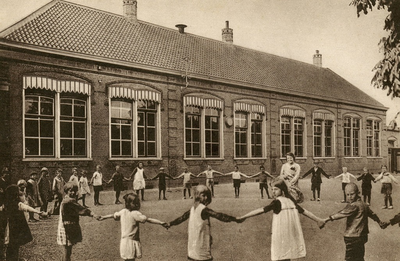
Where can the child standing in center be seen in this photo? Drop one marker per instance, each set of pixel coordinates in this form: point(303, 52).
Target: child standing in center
point(345, 176)
point(366, 185)
point(130, 247)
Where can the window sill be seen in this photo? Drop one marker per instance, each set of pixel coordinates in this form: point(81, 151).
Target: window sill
point(57, 159)
point(297, 158)
point(249, 158)
point(210, 159)
point(324, 158)
point(358, 157)
point(132, 159)
point(376, 157)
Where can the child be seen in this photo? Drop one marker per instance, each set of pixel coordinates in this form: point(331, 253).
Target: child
point(209, 172)
point(345, 180)
point(22, 190)
point(386, 179)
point(58, 191)
point(84, 187)
point(162, 186)
point(366, 185)
point(187, 184)
point(17, 232)
point(139, 177)
point(199, 236)
point(130, 247)
point(118, 179)
point(44, 185)
point(316, 179)
point(69, 232)
point(356, 232)
point(263, 180)
point(287, 239)
point(97, 181)
point(236, 177)
point(33, 196)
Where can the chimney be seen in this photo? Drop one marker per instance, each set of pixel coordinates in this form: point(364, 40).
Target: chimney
point(227, 33)
point(317, 59)
point(181, 28)
point(130, 10)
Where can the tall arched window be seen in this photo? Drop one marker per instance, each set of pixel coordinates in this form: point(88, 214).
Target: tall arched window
point(292, 130)
point(249, 129)
point(203, 125)
point(373, 128)
point(351, 135)
point(134, 122)
point(56, 123)
point(323, 133)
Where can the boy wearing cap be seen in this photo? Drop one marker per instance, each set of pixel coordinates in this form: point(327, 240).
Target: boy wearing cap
point(161, 182)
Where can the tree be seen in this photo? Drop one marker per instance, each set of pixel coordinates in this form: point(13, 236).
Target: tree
point(387, 71)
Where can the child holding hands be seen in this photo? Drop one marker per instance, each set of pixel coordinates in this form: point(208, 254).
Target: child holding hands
point(17, 232)
point(287, 239)
point(386, 178)
point(199, 236)
point(357, 213)
point(130, 247)
point(345, 176)
point(69, 232)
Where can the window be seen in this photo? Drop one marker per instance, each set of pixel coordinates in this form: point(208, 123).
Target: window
point(55, 118)
point(249, 130)
point(323, 131)
point(292, 131)
point(351, 135)
point(203, 134)
point(134, 123)
point(373, 137)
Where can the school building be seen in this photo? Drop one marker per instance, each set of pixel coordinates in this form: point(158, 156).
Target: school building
point(81, 87)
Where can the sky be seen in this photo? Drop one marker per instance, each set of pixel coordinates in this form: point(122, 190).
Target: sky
point(289, 28)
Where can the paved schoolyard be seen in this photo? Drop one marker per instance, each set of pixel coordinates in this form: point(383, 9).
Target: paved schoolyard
point(247, 241)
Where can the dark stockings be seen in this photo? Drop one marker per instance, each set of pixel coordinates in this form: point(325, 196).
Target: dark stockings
point(184, 192)
point(67, 253)
point(237, 192)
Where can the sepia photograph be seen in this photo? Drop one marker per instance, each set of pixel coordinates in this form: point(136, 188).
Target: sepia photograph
point(196, 130)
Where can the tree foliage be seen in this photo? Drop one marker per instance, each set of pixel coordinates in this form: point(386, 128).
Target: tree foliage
point(387, 71)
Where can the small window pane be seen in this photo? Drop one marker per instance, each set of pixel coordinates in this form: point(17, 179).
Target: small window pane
point(126, 148)
point(31, 128)
point(115, 148)
point(32, 147)
point(31, 105)
point(79, 147)
point(79, 130)
point(115, 131)
point(46, 147)
point(126, 132)
point(66, 129)
point(46, 129)
point(80, 109)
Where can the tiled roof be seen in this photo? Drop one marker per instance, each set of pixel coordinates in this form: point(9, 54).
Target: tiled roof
point(76, 29)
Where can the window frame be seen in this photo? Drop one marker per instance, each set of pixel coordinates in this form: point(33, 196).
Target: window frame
point(326, 120)
point(292, 114)
point(253, 113)
point(201, 101)
point(352, 138)
point(134, 129)
point(57, 89)
point(375, 149)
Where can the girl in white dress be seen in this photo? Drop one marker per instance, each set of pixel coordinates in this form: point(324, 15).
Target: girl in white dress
point(138, 179)
point(287, 241)
point(130, 247)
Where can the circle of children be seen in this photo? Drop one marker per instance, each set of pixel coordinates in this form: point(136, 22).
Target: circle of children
point(287, 241)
